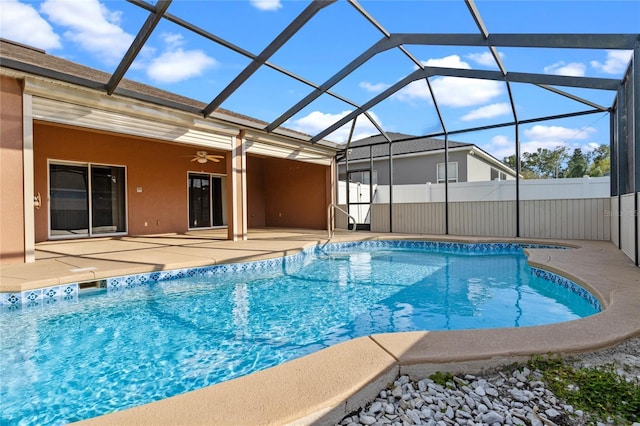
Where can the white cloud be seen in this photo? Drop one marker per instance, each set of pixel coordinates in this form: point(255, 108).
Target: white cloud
point(500, 146)
point(172, 40)
point(557, 134)
point(90, 25)
point(266, 4)
point(616, 63)
point(462, 92)
point(177, 65)
point(22, 23)
point(488, 111)
point(575, 69)
point(452, 61)
point(373, 87)
point(417, 90)
point(452, 91)
point(485, 58)
point(592, 145)
point(317, 121)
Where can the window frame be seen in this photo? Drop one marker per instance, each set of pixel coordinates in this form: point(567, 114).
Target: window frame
point(90, 233)
point(223, 200)
point(451, 179)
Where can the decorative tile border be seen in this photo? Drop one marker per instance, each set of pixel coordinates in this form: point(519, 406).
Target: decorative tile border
point(68, 293)
point(569, 285)
point(435, 246)
point(40, 298)
point(117, 284)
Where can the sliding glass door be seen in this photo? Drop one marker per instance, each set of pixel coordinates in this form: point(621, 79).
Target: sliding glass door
point(199, 201)
point(107, 200)
point(207, 204)
point(69, 200)
point(86, 200)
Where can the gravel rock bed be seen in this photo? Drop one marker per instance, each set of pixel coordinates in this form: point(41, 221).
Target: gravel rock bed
point(498, 397)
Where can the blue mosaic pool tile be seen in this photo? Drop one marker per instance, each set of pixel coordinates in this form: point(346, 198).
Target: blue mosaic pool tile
point(69, 292)
point(10, 299)
point(130, 281)
point(209, 271)
point(31, 297)
point(35, 299)
point(51, 293)
point(569, 285)
point(115, 282)
point(437, 246)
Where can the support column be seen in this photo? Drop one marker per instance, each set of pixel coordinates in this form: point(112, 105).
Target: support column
point(237, 187)
point(332, 183)
point(14, 200)
point(28, 172)
point(635, 123)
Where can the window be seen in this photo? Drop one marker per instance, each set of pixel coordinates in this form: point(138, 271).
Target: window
point(207, 203)
point(498, 175)
point(452, 172)
point(86, 200)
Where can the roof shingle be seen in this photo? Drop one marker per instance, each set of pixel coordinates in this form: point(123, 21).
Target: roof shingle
point(407, 144)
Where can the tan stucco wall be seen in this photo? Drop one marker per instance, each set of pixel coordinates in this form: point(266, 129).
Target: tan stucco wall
point(256, 202)
point(160, 169)
point(296, 193)
point(287, 193)
point(12, 243)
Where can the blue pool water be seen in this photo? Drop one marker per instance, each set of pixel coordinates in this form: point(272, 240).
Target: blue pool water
point(117, 349)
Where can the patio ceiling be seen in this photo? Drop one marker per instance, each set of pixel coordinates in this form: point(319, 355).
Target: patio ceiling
point(366, 43)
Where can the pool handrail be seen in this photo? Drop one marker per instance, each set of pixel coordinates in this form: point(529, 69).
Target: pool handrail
point(331, 209)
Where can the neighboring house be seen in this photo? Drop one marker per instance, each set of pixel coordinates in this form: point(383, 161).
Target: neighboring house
point(77, 162)
point(419, 160)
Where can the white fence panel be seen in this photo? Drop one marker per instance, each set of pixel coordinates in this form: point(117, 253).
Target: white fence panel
point(497, 190)
point(554, 208)
point(628, 221)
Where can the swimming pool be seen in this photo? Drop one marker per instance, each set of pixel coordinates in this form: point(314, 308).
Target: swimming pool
point(116, 348)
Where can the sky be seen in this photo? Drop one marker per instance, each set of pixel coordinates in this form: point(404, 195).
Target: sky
point(97, 33)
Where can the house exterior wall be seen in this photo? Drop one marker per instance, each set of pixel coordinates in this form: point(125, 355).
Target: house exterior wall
point(160, 169)
point(256, 201)
point(477, 170)
point(287, 193)
point(412, 169)
point(296, 194)
point(12, 239)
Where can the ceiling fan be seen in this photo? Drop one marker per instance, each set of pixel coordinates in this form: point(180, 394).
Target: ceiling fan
point(202, 157)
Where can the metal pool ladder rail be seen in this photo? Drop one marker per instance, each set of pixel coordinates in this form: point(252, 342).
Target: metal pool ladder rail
point(331, 215)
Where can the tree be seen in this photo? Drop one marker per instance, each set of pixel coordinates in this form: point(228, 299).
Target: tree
point(525, 171)
point(510, 161)
point(550, 163)
point(578, 164)
point(546, 163)
point(601, 161)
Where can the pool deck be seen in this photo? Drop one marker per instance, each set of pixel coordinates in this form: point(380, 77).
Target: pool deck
point(323, 387)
